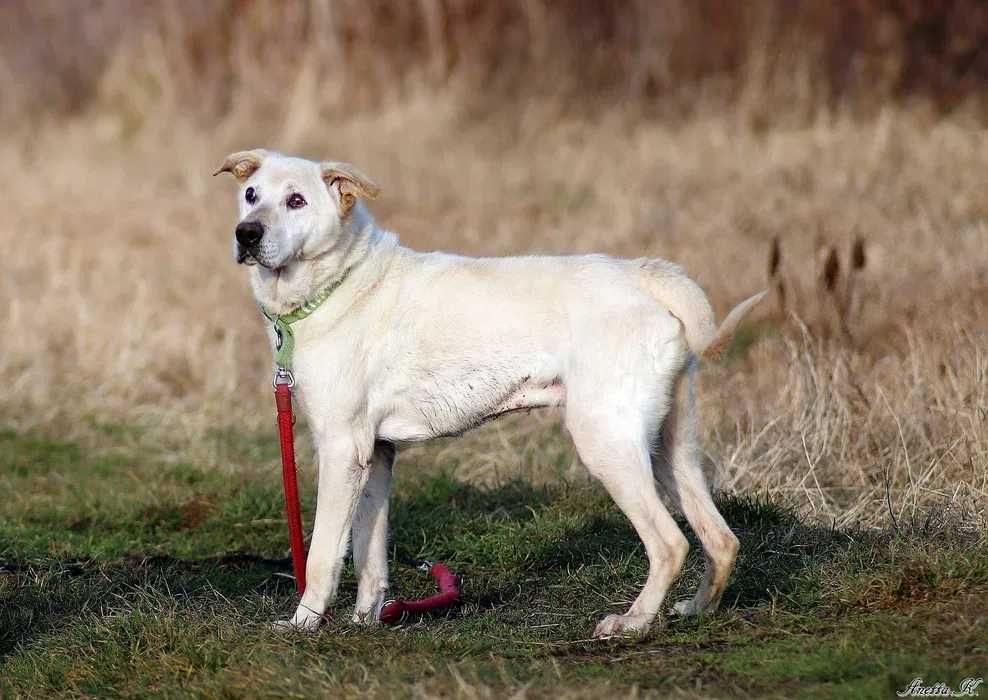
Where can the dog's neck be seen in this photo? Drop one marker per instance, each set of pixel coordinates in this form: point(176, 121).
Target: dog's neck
point(283, 290)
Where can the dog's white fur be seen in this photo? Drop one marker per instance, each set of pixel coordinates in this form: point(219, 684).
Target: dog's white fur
point(413, 346)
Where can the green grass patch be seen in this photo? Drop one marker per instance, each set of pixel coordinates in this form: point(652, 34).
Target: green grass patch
point(124, 573)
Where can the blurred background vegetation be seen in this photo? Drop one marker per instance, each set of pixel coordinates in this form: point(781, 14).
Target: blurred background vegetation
point(772, 58)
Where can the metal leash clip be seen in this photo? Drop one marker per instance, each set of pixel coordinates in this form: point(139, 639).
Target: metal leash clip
point(283, 375)
point(423, 565)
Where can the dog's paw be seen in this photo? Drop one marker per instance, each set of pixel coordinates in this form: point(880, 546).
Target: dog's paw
point(367, 616)
point(685, 608)
point(303, 621)
point(689, 608)
point(619, 625)
point(370, 600)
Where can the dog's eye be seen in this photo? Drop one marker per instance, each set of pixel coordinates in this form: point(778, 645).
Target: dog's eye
point(250, 195)
point(296, 201)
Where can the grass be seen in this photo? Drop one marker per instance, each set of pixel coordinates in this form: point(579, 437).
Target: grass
point(128, 573)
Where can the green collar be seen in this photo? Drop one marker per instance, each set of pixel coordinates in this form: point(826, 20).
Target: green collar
point(284, 346)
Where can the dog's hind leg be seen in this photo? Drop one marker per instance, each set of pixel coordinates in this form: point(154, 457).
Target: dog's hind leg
point(677, 466)
point(370, 536)
point(619, 458)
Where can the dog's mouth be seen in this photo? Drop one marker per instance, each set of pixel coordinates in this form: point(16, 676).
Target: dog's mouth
point(247, 257)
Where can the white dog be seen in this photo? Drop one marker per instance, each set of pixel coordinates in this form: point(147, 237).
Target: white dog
point(399, 346)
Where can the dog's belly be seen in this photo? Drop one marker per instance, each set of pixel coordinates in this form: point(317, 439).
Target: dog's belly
point(461, 411)
point(531, 394)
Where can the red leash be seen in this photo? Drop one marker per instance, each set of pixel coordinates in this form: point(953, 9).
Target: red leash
point(283, 400)
point(393, 610)
point(449, 592)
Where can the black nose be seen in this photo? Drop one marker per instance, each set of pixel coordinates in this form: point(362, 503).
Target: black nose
point(249, 233)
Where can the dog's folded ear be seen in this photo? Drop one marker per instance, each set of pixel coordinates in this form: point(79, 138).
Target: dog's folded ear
point(242, 164)
point(352, 183)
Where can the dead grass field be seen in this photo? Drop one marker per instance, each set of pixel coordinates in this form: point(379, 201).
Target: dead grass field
point(122, 304)
point(857, 395)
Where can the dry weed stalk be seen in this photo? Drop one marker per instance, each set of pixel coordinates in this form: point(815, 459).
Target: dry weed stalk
point(831, 306)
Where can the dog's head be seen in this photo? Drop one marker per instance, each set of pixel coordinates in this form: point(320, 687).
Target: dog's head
point(291, 208)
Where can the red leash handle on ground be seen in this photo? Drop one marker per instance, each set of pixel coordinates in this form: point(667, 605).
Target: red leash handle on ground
point(449, 591)
point(283, 400)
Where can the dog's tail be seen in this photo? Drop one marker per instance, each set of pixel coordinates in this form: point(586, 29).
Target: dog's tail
point(725, 331)
point(684, 298)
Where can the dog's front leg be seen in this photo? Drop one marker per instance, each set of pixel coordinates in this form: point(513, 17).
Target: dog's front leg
point(370, 536)
point(342, 479)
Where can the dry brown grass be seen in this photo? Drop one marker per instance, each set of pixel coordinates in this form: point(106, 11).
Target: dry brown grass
point(121, 303)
